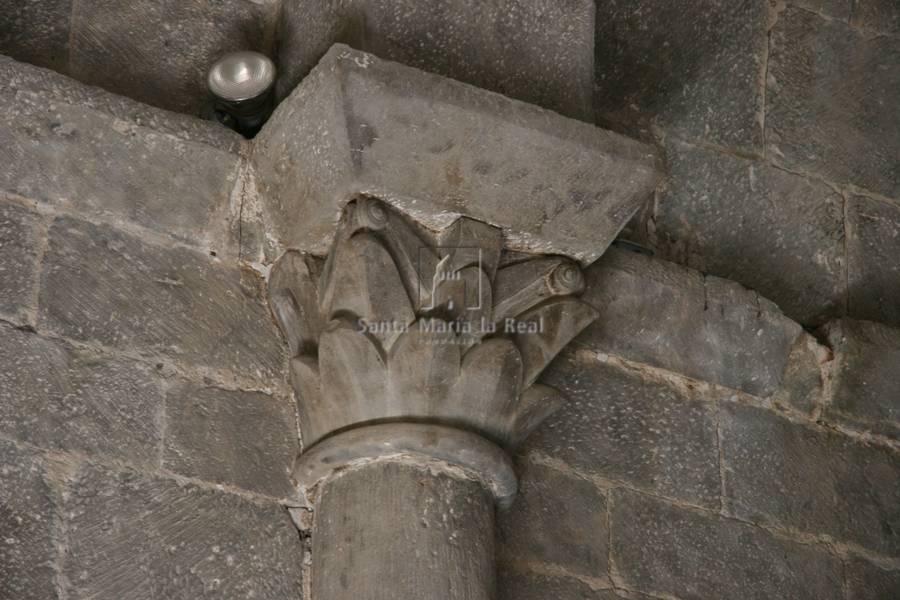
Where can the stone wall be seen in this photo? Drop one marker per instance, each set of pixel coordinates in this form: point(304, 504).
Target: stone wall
point(775, 115)
point(722, 452)
point(146, 432)
point(721, 441)
point(726, 452)
point(781, 145)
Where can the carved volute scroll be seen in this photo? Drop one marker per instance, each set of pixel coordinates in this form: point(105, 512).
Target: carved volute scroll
point(404, 326)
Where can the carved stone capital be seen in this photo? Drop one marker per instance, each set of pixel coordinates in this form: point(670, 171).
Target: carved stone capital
point(421, 344)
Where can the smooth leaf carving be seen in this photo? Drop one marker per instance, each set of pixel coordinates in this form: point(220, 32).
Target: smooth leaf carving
point(294, 297)
point(424, 366)
point(555, 324)
point(491, 382)
point(364, 284)
point(352, 373)
point(314, 413)
point(424, 328)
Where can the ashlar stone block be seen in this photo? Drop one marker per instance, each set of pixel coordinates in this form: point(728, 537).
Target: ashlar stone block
point(86, 160)
point(556, 519)
point(665, 315)
point(695, 68)
point(58, 397)
point(37, 31)
point(104, 286)
point(848, 134)
point(877, 15)
point(55, 87)
point(873, 248)
point(436, 149)
point(245, 439)
point(866, 581)
point(522, 585)
point(21, 232)
point(804, 381)
point(624, 428)
point(142, 537)
point(865, 385)
point(669, 551)
point(837, 9)
point(774, 232)
point(808, 479)
point(27, 549)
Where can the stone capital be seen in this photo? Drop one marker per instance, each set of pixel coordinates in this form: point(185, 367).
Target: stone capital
point(421, 344)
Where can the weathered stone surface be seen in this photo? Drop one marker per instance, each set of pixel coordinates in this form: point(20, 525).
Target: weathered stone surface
point(809, 479)
point(418, 443)
point(166, 65)
point(104, 286)
point(866, 581)
point(622, 427)
point(21, 231)
point(774, 232)
point(306, 30)
point(556, 519)
point(389, 530)
point(665, 315)
point(522, 585)
point(27, 553)
point(244, 439)
point(837, 9)
point(803, 381)
point(538, 51)
point(877, 15)
point(436, 149)
point(659, 549)
point(60, 398)
point(54, 87)
point(866, 385)
point(846, 135)
point(37, 31)
point(143, 538)
point(105, 166)
point(873, 246)
point(692, 67)
point(533, 50)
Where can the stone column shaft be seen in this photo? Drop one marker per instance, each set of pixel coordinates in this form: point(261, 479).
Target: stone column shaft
point(392, 530)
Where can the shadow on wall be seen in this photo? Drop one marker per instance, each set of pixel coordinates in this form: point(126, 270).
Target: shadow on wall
point(154, 51)
point(158, 51)
point(693, 69)
point(536, 51)
point(639, 78)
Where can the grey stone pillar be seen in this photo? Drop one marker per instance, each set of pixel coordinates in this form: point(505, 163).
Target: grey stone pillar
point(415, 357)
point(393, 530)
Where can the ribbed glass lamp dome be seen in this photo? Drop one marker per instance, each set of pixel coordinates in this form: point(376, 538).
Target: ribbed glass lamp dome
point(241, 76)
